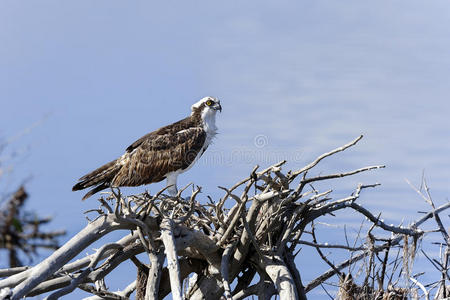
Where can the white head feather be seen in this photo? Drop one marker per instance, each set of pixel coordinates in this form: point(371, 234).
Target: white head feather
point(208, 116)
point(203, 100)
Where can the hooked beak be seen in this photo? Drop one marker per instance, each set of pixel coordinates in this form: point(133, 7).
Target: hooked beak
point(218, 107)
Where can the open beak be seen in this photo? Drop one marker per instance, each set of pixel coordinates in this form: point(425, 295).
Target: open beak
point(218, 107)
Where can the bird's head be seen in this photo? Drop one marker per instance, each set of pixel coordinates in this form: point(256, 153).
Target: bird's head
point(207, 106)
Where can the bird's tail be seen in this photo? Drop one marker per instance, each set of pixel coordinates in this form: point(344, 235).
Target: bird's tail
point(100, 178)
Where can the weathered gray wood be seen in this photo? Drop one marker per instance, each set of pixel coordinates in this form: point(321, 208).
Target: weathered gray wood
point(257, 236)
point(172, 259)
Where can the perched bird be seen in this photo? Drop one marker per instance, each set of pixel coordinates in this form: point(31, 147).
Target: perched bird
point(162, 154)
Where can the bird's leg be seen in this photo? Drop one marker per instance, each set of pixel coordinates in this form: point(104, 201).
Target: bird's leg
point(172, 184)
point(172, 190)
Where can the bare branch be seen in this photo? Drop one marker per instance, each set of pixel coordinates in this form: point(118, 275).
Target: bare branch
point(224, 270)
point(216, 243)
point(315, 162)
point(424, 290)
point(280, 276)
point(12, 271)
point(172, 260)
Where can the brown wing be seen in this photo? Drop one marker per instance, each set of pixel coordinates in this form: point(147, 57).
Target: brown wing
point(150, 158)
point(169, 130)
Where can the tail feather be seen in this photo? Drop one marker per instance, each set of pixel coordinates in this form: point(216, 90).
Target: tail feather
point(98, 188)
point(100, 178)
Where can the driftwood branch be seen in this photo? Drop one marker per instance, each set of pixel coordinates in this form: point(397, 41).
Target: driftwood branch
point(172, 258)
point(243, 244)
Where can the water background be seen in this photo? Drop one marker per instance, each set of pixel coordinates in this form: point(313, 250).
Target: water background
point(81, 80)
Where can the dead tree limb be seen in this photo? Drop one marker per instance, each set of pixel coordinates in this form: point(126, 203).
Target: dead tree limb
point(251, 234)
point(172, 258)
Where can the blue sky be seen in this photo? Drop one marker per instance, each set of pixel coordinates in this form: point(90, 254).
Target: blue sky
point(307, 75)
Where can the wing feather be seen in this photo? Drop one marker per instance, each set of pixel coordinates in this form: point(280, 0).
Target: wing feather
point(158, 153)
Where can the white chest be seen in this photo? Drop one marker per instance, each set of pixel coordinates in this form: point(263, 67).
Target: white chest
point(209, 125)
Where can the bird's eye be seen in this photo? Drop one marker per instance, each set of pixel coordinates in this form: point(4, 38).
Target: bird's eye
point(209, 102)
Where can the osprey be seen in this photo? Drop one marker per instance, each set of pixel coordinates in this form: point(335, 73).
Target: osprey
point(162, 154)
